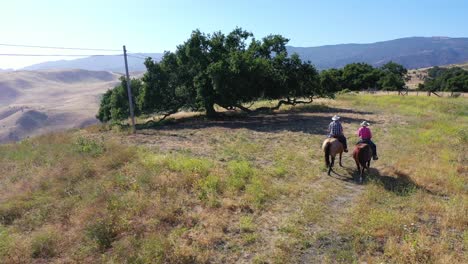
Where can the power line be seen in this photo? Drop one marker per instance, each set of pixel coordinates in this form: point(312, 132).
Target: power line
point(54, 55)
point(136, 56)
point(49, 47)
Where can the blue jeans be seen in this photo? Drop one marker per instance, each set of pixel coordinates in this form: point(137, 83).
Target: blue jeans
point(371, 144)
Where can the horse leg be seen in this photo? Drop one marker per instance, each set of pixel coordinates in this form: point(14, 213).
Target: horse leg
point(358, 167)
point(361, 175)
point(331, 165)
point(340, 160)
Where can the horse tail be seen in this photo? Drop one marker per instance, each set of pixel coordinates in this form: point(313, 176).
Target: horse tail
point(365, 154)
point(356, 157)
point(327, 153)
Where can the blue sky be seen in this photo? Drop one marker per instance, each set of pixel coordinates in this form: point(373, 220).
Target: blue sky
point(155, 26)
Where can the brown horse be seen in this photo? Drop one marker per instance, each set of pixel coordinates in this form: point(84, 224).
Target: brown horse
point(332, 147)
point(362, 154)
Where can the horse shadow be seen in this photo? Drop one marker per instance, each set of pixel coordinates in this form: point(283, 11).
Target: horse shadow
point(351, 175)
point(399, 183)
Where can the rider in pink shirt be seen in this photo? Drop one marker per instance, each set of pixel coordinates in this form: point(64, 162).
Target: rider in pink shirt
point(365, 136)
point(364, 133)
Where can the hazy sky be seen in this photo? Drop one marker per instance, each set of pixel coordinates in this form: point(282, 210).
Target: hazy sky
point(155, 26)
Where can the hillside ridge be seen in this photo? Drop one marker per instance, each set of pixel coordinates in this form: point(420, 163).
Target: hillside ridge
point(36, 102)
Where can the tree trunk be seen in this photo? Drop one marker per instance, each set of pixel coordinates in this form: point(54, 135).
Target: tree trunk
point(210, 111)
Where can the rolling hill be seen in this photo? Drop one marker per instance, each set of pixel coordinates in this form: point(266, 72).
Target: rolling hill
point(412, 52)
point(35, 102)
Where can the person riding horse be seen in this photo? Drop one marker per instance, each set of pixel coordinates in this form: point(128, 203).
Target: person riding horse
point(335, 130)
point(365, 136)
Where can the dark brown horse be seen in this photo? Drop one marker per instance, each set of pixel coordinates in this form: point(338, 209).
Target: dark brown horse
point(331, 147)
point(362, 154)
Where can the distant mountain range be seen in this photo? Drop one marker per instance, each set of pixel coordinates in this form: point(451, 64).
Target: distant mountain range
point(413, 53)
point(113, 63)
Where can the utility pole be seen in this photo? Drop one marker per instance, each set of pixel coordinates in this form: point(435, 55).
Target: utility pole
point(129, 91)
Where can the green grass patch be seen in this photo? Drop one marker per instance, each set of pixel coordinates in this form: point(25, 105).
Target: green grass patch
point(240, 173)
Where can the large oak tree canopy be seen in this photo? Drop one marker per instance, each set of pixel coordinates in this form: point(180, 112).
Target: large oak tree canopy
point(236, 69)
point(226, 70)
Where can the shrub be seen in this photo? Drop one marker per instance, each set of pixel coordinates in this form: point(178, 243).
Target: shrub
point(279, 171)
point(246, 224)
point(44, 244)
point(103, 231)
point(188, 165)
point(257, 192)
point(89, 146)
point(153, 250)
point(209, 188)
point(12, 210)
point(5, 242)
point(240, 174)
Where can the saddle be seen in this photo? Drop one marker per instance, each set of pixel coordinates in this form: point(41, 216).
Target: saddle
point(362, 145)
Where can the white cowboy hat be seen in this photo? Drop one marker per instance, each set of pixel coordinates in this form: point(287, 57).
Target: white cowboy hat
point(335, 117)
point(365, 123)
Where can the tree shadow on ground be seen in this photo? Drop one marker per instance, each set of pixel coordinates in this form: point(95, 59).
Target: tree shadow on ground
point(298, 119)
point(321, 108)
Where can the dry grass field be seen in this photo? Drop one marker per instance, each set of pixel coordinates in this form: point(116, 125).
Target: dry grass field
point(243, 189)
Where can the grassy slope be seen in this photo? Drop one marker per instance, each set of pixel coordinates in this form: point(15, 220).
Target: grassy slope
point(243, 194)
point(422, 216)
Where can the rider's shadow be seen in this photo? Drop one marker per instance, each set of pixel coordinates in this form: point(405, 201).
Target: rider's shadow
point(398, 182)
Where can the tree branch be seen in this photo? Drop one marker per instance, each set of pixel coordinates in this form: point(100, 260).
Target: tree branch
point(165, 115)
point(288, 101)
point(251, 105)
point(243, 108)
